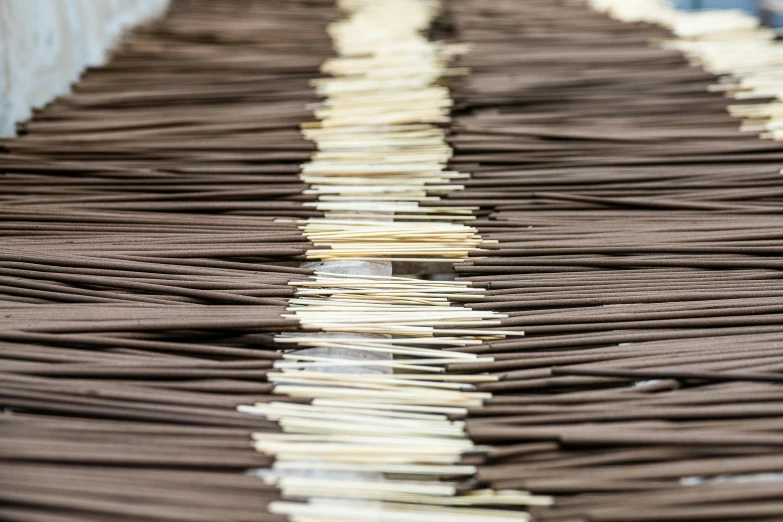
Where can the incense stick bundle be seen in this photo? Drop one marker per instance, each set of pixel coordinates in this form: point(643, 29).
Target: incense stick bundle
point(150, 285)
point(378, 151)
point(192, 330)
point(636, 228)
point(144, 273)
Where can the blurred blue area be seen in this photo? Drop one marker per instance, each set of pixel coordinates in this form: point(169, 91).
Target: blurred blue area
point(775, 19)
point(750, 6)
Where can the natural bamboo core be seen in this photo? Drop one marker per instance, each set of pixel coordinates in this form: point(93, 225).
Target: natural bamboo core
point(386, 434)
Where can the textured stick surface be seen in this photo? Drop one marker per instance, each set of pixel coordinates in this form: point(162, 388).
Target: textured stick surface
point(637, 228)
point(45, 45)
point(626, 220)
point(143, 274)
point(349, 268)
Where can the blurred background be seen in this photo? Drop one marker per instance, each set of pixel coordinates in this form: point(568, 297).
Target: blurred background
point(770, 11)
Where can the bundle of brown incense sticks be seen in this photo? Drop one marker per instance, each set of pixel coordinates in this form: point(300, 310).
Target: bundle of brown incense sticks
point(603, 176)
point(639, 246)
point(143, 274)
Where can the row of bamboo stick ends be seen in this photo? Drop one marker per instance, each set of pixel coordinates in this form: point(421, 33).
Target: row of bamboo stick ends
point(354, 239)
point(380, 142)
point(636, 239)
point(382, 436)
point(636, 226)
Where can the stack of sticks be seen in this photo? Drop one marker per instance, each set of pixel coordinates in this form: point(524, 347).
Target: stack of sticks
point(608, 352)
point(143, 274)
point(638, 235)
point(381, 444)
point(151, 287)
